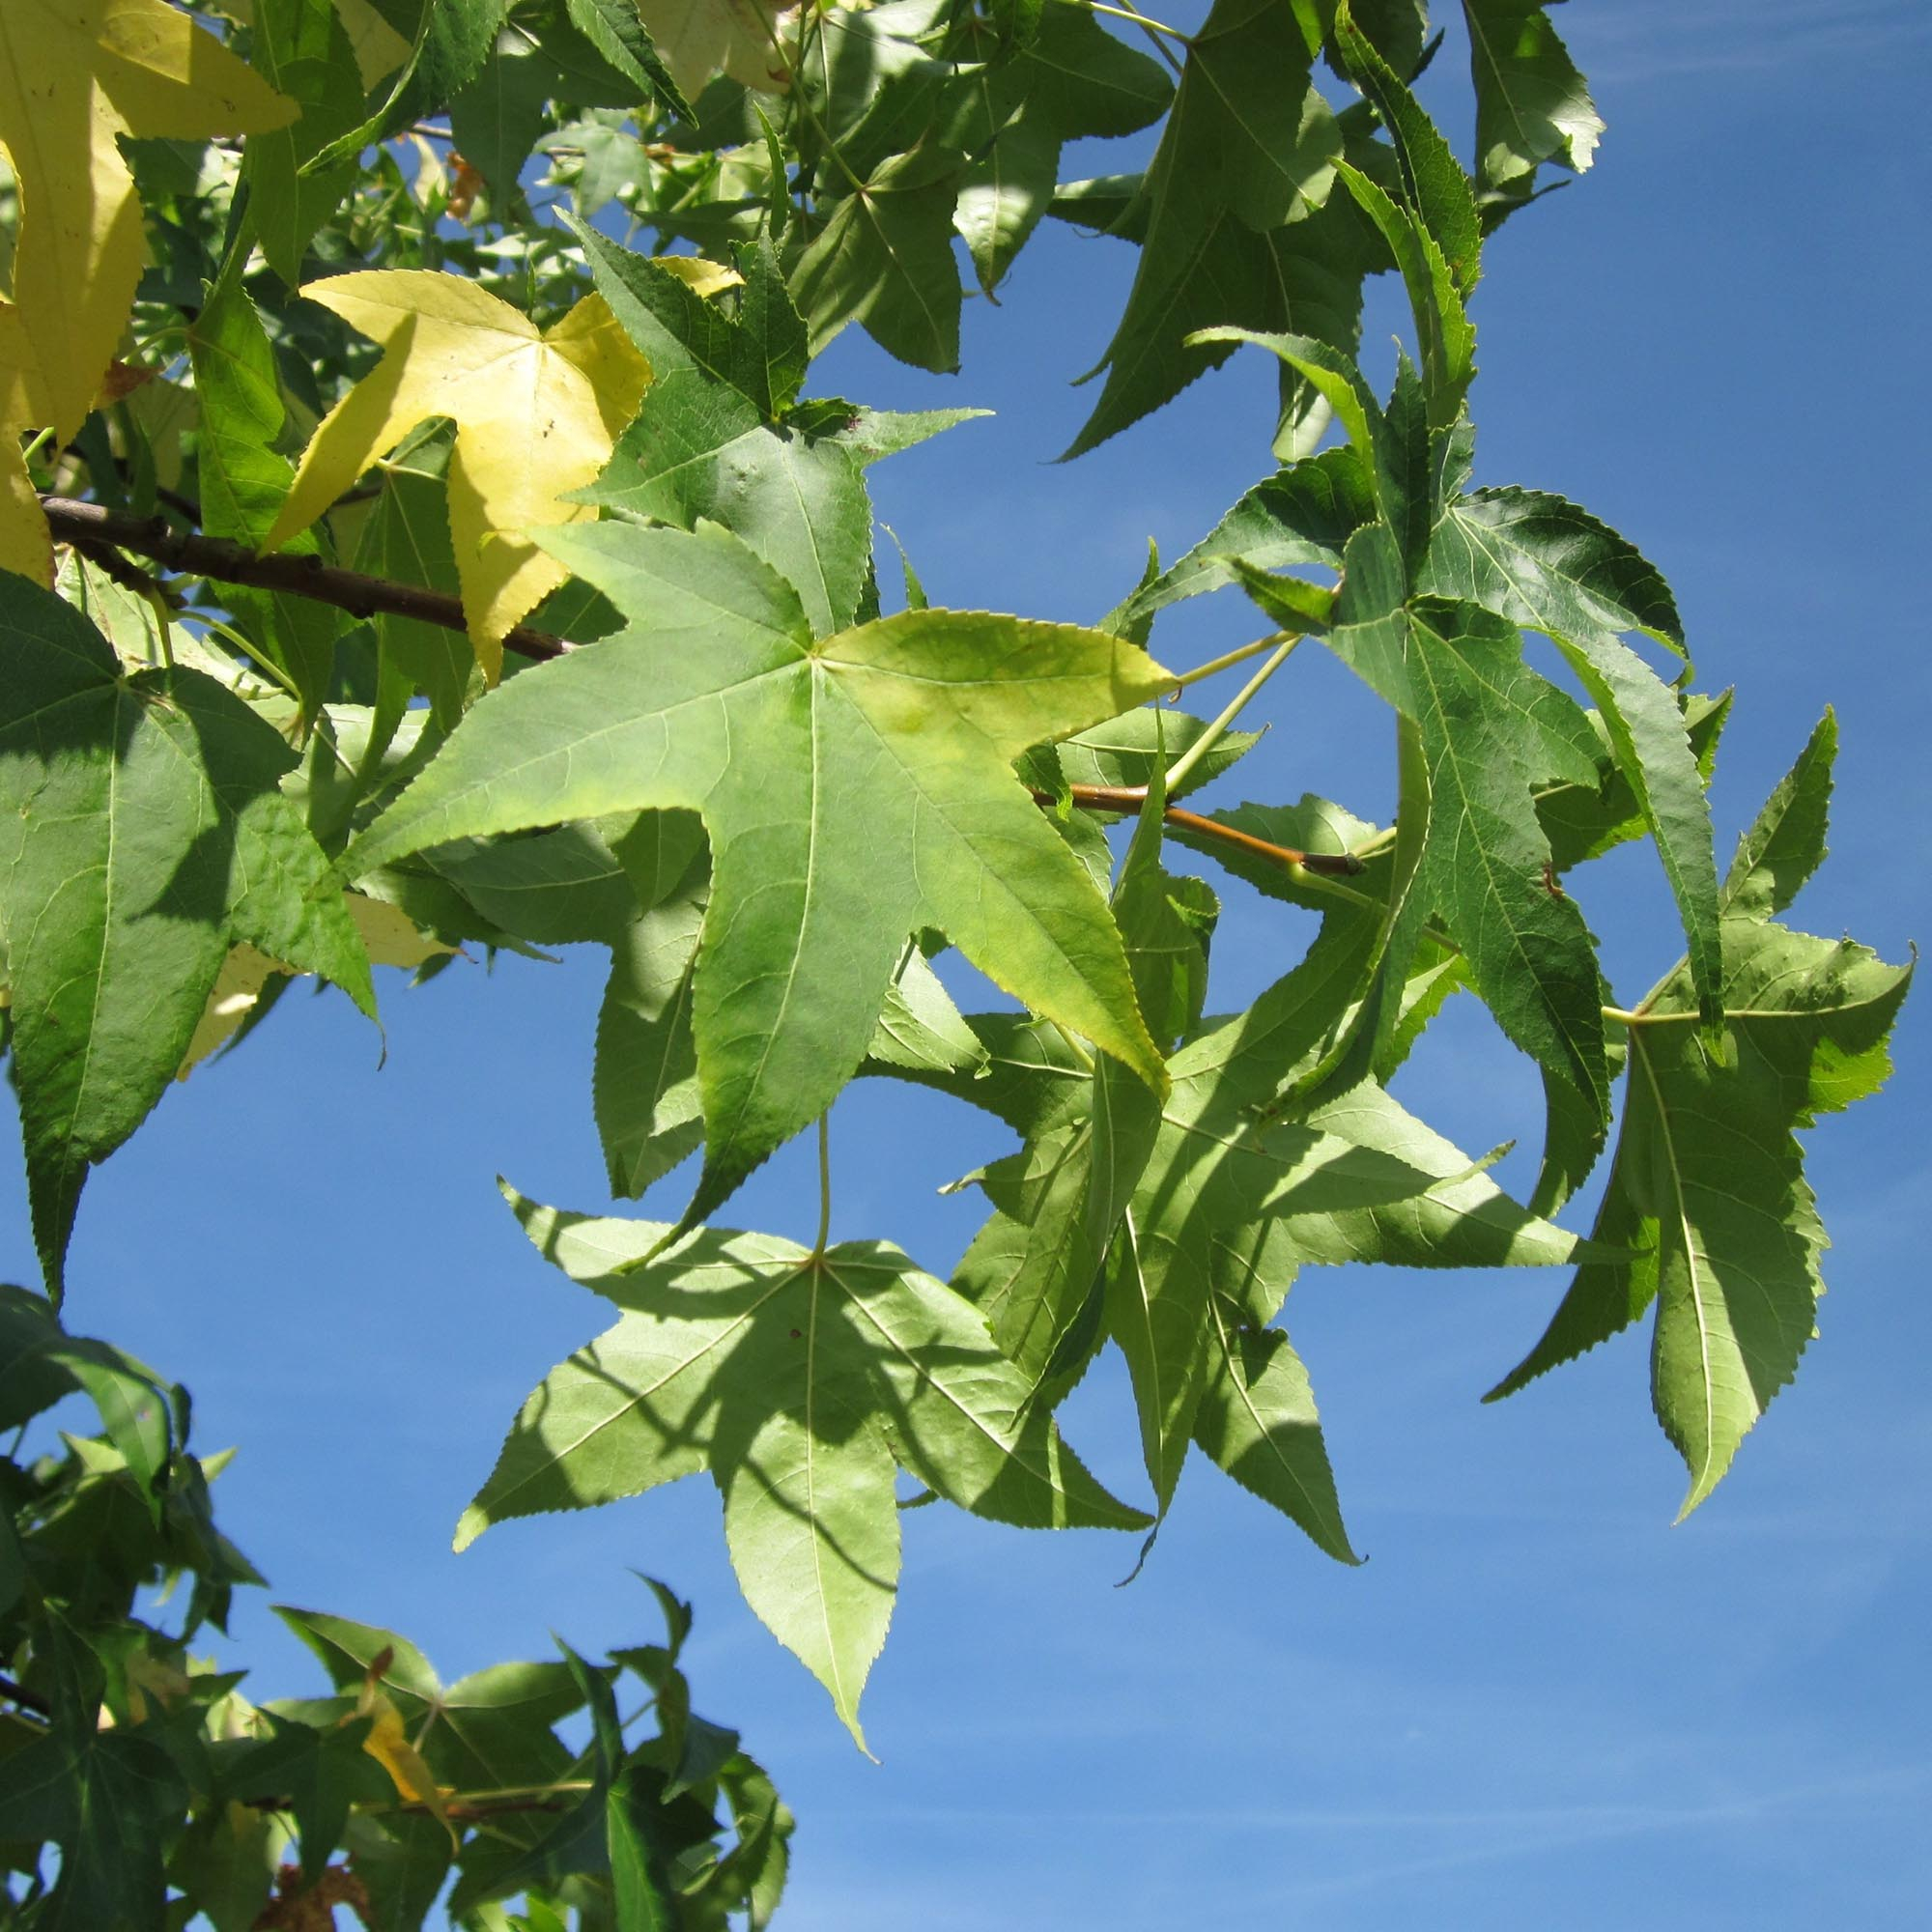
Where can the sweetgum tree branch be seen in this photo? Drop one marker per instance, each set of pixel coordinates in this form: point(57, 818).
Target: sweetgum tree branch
point(89, 526)
point(101, 532)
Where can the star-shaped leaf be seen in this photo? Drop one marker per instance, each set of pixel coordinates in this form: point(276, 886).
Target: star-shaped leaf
point(1356, 1177)
point(801, 1383)
point(537, 413)
point(855, 788)
point(75, 76)
point(1708, 1185)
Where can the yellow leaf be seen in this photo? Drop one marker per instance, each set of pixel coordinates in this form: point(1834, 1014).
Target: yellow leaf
point(25, 545)
point(380, 50)
point(746, 39)
point(389, 936)
point(702, 276)
point(74, 75)
point(536, 416)
point(230, 1001)
point(388, 1744)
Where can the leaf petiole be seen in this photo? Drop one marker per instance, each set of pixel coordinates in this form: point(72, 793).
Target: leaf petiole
point(1233, 709)
point(1228, 660)
point(1143, 21)
point(824, 1189)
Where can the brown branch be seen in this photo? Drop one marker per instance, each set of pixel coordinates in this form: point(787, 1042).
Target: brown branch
point(28, 1700)
point(226, 562)
point(91, 529)
point(1130, 797)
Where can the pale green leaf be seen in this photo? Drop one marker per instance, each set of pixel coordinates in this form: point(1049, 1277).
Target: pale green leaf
point(815, 883)
point(800, 1383)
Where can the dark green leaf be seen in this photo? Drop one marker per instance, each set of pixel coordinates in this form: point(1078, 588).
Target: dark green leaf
point(1786, 841)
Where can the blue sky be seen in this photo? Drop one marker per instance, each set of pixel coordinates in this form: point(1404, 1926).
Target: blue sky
point(1537, 1702)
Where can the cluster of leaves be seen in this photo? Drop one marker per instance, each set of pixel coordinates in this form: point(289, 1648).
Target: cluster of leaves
point(156, 1778)
point(513, 593)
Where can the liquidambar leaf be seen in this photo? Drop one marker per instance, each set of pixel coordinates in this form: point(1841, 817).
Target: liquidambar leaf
point(855, 788)
point(700, 39)
point(142, 830)
point(537, 415)
point(1532, 106)
point(26, 546)
point(1709, 1182)
point(75, 76)
point(801, 1384)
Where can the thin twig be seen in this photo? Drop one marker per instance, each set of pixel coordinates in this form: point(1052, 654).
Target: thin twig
point(1130, 797)
point(226, 562)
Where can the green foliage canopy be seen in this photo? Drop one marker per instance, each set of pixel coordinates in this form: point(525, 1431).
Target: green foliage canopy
point(434, 546)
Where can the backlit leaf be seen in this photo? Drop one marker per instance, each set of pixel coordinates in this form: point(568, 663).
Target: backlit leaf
point(76, 75)
point(800, 1383)
point(537, 413)
point(815, 883)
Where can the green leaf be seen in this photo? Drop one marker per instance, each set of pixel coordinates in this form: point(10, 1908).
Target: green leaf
point(1546, 565)
point(1786, 841)
point(452, 40)
point(1351, 1178)
point(1709, 1187)
point(1257, 1418)
point(406, 537)
point(643, 1892)
point(244, 481)
point(402, 1861)
point(1532, 106)
point(106, 1798)
point(815, 883)
point(1443, 325)
point(316, 1773)
point(800, 1382)
point(1434, 185)
point(1248, 145)
point(159, 835)
point(41, 1362)
point(1303, 514)
point(919, 1026)
point(1583, 822)
point(1489, 728)
point(884, 259)
point(613, 28)
point(1130, 751)
point(490, 1731)
point(644, 1080)
point(1551, 567)
point(556, 889)
point(1072, 78)
point(301, 49)
point(708, 442)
